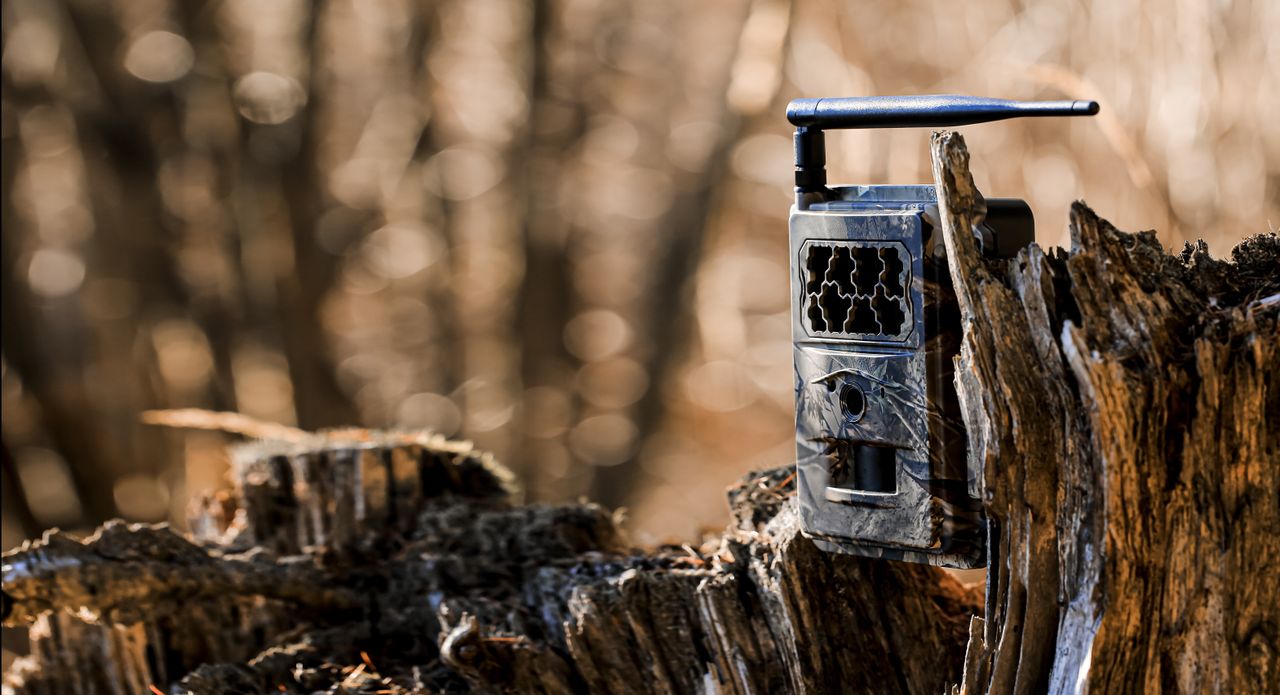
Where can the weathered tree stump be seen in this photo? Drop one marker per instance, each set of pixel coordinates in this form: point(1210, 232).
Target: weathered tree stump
point(1123, 403)
point(1125, 406)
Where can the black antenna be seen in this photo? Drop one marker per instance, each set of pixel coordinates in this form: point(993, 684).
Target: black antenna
point(812, 116)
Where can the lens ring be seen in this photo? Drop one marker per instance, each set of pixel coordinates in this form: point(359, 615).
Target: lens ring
point(853, 401)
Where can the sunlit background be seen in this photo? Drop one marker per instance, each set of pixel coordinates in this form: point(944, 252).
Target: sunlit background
point(557, 228)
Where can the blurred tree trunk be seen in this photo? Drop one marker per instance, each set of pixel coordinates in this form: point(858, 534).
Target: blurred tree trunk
point(28, 343)
point(557, 122)
point(318, 399)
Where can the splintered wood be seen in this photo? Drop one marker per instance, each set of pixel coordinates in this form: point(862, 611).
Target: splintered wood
point(1125, 404)
point(1122, 402)
point(402, 564)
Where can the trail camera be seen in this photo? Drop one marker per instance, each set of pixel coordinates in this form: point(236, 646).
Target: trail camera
point(881, 451)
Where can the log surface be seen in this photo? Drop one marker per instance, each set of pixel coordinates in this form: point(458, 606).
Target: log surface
point(403, 564)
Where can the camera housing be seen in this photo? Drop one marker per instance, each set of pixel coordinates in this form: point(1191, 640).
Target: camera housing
point(881, 451)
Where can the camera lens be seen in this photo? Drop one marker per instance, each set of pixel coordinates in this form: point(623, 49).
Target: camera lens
point(853, 401)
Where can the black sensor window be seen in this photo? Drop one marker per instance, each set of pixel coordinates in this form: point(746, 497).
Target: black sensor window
point(856, 290)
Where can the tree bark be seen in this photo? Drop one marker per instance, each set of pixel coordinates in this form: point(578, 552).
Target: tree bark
point(1122, 403)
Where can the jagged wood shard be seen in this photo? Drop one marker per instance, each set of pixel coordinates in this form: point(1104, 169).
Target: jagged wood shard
point(1125, 404)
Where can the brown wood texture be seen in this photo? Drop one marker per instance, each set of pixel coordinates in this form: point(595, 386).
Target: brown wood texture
point(1124, 405)
point(402, 564)
point(1122, 402)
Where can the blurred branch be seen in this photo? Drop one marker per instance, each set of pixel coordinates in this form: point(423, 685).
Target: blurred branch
point(1077, 87)
point(195, 418)
point(15, 497)
point(1117, 136)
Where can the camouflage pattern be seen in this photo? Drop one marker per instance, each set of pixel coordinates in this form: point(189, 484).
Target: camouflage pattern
point(874, 388)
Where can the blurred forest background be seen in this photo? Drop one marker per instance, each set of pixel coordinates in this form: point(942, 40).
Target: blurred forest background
point(555, 227)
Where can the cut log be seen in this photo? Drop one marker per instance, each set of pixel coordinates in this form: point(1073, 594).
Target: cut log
point(1122, 402)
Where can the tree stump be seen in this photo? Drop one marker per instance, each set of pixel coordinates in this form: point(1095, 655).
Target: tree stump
point(1125, 407)
point(1122, 402)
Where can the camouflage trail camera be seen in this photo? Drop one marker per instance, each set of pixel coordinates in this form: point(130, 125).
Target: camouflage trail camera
point(880, 446)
